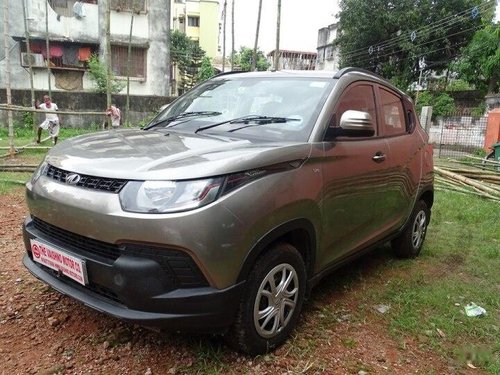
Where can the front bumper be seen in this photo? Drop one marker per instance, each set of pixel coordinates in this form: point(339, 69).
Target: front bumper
point(139, 287)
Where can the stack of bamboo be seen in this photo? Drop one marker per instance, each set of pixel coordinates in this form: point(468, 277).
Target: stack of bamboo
point(469, 180)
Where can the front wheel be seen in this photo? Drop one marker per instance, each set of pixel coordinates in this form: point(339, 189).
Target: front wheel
point(271, 303)
point(410, 241)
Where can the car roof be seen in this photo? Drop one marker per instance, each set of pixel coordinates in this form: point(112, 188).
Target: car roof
point(355, 73)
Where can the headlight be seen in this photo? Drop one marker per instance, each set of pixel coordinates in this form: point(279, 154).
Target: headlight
point(169, 196)
point(39, 171)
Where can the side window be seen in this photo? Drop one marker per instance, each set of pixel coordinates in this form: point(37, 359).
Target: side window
point(358, 98)
point(393, 114)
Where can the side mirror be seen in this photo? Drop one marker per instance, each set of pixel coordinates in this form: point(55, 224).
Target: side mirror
point(355, 124)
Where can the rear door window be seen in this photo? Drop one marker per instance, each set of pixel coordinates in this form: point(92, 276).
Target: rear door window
point(392, 113)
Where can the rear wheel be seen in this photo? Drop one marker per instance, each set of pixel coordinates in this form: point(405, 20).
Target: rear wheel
point(271, 303)
point(409, 243)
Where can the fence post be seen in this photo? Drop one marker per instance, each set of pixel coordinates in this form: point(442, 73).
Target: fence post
point(425, 117)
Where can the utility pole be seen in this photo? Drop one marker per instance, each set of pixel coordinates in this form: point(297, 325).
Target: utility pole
point(254, 57)
point(12, 150)
point(232, 35)
point(277, 51)
point(47, 45)
point(224, 37)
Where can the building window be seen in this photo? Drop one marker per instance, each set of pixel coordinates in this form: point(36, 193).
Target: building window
point(119, 56)
point(193, 21)
point(126, 5)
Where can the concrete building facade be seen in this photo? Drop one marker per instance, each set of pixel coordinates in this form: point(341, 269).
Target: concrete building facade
point(293, 60)
point(76, 30)
point(328, 55)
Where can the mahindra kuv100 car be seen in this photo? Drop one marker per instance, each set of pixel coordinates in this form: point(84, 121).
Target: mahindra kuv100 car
point(225, 210)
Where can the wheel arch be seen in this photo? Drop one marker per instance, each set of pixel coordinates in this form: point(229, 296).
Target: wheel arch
point(299, 233)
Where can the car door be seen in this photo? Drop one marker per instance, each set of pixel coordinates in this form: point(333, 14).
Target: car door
point(355, 179)
point(403, 159)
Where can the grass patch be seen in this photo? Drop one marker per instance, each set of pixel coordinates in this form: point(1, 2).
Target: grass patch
point(459, 265)
point(10, 181)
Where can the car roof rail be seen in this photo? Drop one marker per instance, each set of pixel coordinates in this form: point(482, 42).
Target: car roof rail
point(350, 69)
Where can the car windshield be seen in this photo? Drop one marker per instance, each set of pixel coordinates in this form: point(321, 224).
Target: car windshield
point(268, 108)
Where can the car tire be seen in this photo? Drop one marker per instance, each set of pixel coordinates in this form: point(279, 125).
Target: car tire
point(264, 320)
point(410, 241)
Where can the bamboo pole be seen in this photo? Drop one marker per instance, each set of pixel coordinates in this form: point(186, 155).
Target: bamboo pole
point(12, 150)
point(47, 45)
point(107, 54)
point(14, 108)
point(129, 55)
point(466, 180)
point(28, 50)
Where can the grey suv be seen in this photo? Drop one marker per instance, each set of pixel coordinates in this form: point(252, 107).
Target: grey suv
point(233, 202)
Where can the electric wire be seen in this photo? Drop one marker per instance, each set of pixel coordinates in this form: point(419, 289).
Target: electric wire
point(447, 22)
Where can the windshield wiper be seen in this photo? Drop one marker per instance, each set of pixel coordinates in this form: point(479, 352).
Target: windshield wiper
point(168, 120)
point(254, 119)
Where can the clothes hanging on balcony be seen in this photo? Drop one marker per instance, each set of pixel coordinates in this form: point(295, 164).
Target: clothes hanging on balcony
point(84, 53)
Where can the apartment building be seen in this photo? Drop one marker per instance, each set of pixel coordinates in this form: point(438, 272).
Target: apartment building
point(76, 30)
point(199, 20)
point(293, 60)
point(328, 55)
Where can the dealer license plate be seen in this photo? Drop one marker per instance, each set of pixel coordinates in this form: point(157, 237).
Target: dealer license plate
point(60, 261)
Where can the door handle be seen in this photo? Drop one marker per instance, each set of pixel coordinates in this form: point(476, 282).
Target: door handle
point(379, 157)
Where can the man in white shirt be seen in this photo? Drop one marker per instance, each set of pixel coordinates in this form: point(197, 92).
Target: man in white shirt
point(51, 122)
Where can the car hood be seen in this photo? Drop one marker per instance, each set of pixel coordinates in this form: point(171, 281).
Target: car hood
point(138, 154)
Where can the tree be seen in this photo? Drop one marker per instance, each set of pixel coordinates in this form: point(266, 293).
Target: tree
point(392, 37)
point(98, 73)
point(480, 61)
point(187, 55)
point(206, 70)
point(253, 62)
point(245, 57)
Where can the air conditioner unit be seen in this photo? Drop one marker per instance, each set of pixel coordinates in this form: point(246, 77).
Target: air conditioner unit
point(36, 59)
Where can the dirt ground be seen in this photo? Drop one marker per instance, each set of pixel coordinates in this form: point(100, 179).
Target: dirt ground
point(42, 332)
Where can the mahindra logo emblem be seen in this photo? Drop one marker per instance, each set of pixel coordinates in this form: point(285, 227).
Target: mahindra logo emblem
point(73, 178)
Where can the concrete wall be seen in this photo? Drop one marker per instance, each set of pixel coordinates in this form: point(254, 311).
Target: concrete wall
point(141, 107)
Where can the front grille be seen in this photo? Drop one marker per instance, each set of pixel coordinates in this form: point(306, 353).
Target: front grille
point(179, 267)
point(78, 244)
point(111, 185)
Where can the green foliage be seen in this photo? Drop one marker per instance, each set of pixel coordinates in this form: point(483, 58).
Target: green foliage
point(28, 119)
point(480, 60)
point(188, 56)
point(479, 111)
point(244, 60)
point(458, 85)
point(206, 70)
point(388, 26)
point(98, 74)
point(442, 103)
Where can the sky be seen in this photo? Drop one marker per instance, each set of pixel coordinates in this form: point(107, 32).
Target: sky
point(300, 22)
